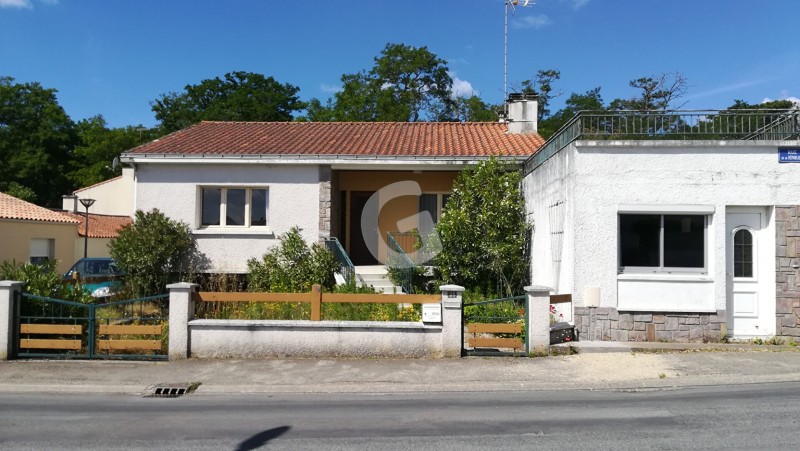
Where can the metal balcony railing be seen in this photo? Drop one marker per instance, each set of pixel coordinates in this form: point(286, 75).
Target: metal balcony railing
point(760, 125)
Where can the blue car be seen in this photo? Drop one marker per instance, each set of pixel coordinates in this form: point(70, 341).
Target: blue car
point(100, 276)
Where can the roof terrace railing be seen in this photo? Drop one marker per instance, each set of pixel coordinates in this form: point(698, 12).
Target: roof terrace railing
point(742, 124)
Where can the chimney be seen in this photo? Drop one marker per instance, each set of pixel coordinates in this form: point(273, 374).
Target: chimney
point(69, 203)
point(523, 113)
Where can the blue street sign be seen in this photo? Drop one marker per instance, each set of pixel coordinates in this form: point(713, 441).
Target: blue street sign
point(789, 155)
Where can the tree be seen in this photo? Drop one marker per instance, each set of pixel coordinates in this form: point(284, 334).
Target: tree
point(406, 83)
point(239, 96)
point(473, 109)
point(542, 86)
point(99, 145)
point(483, 231)
point(591, 100)
point(657, 93)
point(36, 141)
point(154, 251)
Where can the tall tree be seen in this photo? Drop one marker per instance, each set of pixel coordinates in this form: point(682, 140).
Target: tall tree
point(99, 145)
point(238, 96)
point(36, 141)
point(591, 100)
point(657, 93)
point(406, 83)
point(473, 109)
point(542, 86)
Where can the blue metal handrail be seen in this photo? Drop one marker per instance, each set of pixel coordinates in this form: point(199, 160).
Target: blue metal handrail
point(346, 267)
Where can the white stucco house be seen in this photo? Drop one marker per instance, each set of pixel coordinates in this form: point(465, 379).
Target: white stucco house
point(671, 226)
point(240, 185)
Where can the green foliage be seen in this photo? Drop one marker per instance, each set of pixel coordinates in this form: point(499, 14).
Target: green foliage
point(473, 109)
point(239, 96)
point(154, 251)
point(21, 192)
point(36, 138)
point(99, 145)
point(292, 267)
point(44, 280)
point(542, 86)
point(483, 230)
point(589, 101)
point(405, 84)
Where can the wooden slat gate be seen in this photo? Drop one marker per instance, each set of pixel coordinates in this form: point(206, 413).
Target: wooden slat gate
point(54, 328)
point(495, 327)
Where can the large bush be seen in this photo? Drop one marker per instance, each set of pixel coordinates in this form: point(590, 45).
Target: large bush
point(292, 267)
point(44, 280)
point(483, 231)
point(154, 251)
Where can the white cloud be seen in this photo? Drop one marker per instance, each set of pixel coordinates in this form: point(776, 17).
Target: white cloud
point(578, 4)
point(731, 87)
point(462, 88)
point(330, 89)
point(531, 21)
point(16, 4)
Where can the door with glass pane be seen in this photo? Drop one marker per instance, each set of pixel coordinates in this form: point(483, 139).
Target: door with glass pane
point(748, 309)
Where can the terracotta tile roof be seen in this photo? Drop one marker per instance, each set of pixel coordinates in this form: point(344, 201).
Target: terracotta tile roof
point(13, 208)
point(411, 139)
point(100, 226)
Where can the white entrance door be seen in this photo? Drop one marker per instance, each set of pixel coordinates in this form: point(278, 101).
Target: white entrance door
point(750, 312)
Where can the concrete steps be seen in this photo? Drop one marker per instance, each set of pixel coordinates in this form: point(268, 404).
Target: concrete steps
point(377, 277)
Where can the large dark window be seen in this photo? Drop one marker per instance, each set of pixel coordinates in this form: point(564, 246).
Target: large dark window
point(662, 243)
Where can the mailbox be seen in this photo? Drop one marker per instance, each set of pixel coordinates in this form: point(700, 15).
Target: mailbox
point(432, 313)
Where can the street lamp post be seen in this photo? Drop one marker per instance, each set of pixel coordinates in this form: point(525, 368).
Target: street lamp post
point(86, 203)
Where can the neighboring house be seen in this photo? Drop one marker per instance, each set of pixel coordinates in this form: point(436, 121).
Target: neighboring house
point(112, 197)
point(102, 229)
point(30, 233)
point(678, 226)
point(240, 185)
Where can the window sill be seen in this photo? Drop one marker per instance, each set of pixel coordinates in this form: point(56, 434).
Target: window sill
point(265, 231)
point(667, 277)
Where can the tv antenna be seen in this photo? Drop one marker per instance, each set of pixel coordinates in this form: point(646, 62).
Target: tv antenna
point(512, 4)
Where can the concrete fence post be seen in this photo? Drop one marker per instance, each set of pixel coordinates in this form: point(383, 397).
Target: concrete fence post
point(181, 311)
point(538, 327)
point(8, 289)
point(452, 326)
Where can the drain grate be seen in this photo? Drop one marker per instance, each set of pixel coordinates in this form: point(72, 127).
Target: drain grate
point(170, 390)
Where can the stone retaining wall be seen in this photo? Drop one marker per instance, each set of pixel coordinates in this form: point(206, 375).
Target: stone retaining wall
point(787, 278)
point(608, 324)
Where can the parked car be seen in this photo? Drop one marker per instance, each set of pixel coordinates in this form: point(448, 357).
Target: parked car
point(100, 276)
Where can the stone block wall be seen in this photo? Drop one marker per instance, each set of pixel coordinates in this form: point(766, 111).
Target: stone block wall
point(325, 213)
point(787, 278)
point(608, 324)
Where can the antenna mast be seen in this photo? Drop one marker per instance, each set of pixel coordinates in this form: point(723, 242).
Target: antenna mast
point(508, 4)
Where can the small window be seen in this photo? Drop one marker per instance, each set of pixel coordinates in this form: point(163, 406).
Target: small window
point(234, 207)
point(42, 250)
point(743, 253)
point(662, 243)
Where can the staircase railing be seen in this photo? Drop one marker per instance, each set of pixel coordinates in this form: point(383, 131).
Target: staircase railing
point(400, 264)
point(346, 267)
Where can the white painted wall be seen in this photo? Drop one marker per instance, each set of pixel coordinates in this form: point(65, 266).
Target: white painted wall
point(293, 201)
point(114, 197)
point(597, 177)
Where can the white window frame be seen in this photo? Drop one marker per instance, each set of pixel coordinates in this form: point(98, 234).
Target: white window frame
point(223, 208)
point(704, 211)
point(37, 251)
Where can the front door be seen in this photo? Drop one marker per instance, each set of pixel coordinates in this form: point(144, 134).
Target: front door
point(750, 312)
point(359, 248)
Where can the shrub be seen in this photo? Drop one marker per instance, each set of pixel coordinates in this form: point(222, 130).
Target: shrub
point(483, 230)
point(154, 251)
point(292, 267)
point(44, 280)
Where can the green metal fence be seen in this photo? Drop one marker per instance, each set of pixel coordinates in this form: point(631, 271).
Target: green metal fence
point(58, 329)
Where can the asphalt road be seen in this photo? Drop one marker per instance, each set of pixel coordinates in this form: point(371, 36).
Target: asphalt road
point(752, 416)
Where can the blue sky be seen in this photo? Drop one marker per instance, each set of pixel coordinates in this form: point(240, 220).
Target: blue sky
point(114, 57)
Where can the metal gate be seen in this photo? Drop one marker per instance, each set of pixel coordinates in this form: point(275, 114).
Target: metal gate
point(58, 329)
point(495, 327)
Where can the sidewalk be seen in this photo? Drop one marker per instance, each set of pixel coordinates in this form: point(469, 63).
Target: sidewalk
point(586, 371)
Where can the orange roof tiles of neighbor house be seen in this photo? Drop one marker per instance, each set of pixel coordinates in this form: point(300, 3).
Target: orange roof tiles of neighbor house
point(401, 139)
point(100, 226)
point(18, 209)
